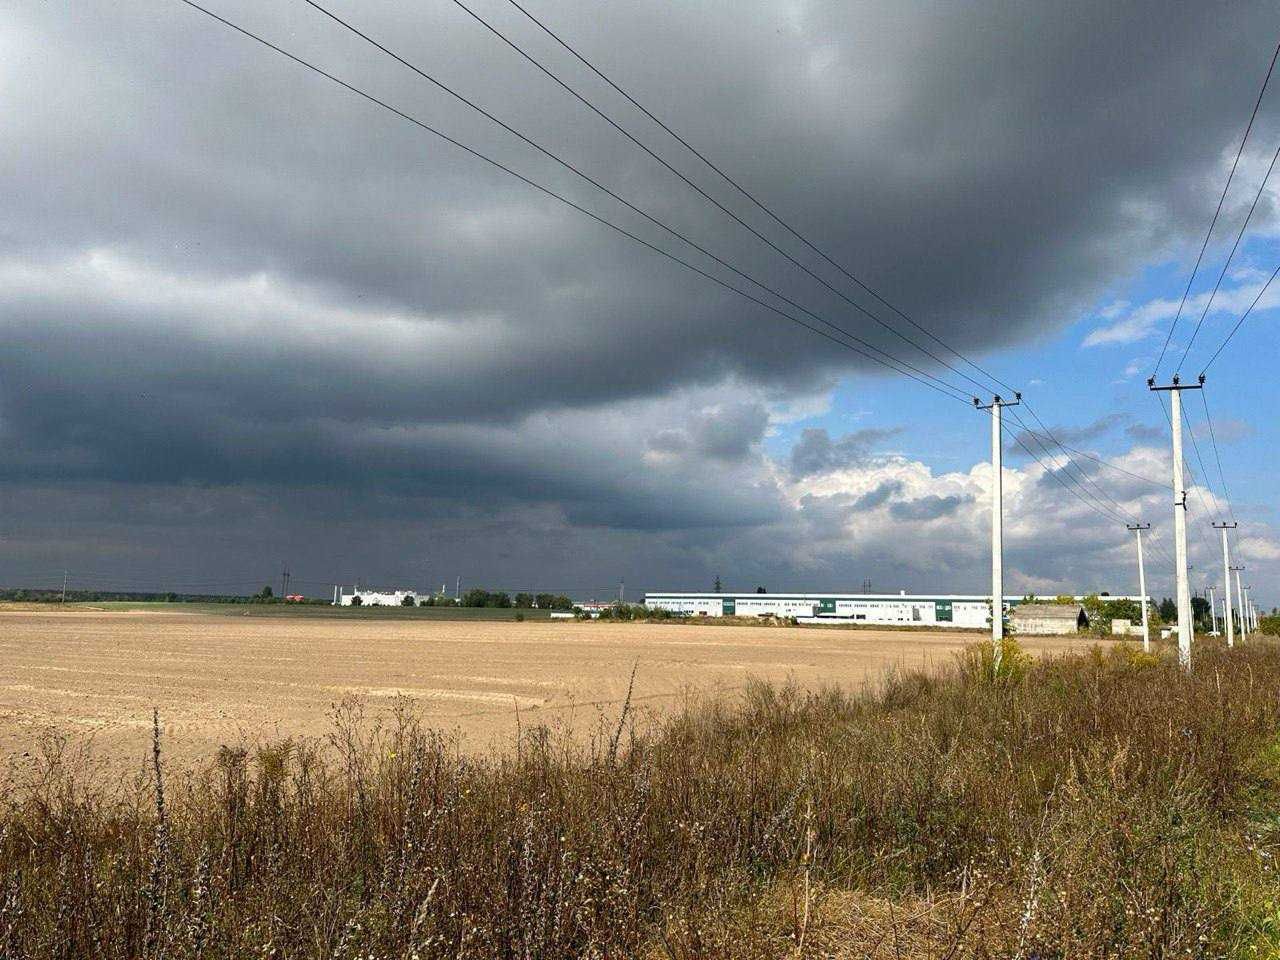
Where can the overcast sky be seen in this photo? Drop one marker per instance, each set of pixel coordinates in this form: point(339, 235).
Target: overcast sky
point(251, 319)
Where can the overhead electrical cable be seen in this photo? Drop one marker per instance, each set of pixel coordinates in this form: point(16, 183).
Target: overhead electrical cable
point(733, 183)
point(1190, 474)
point(426, 76)
point(1067, 453)
point(1204, 471)
point(1227, 263)
point(1218, 210)
point(1053, 464)
point(1243, 317)
point(1217, 456)
point(895, 363)
point(759, 204)
point(901, 366)
point(1112, 466)
point(1049, 471)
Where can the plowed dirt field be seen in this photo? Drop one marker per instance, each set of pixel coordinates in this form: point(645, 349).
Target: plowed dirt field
point(231, 679)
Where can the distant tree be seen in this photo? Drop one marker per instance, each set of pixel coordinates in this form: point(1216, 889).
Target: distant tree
point(1168, 610)
point(1200, 611)
point(561, 602)
point(718, 584)
point(545, 601)
point(475, 597)
point(524, 600)
point(761, 590)
point(407, 600)
point(171, 598)
point(484, 598)
point(356, 601)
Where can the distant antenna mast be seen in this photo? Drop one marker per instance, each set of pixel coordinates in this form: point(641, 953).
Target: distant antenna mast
point(622, 590)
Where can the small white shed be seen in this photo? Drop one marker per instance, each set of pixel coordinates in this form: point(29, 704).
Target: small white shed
point(1048, 619)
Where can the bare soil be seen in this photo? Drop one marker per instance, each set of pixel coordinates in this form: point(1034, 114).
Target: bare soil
point(94, 676)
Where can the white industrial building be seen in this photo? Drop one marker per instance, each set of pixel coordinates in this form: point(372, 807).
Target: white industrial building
point(372, 598)
point(955, 610)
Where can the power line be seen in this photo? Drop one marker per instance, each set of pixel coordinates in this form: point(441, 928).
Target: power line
point(1227, 263)
point(654, 220)
point(751, 197)
point(1204, 472)
point(1080, 470)
point(703, 193)
point(1118, 515)
point(1244, 316)
point(612, 194)
point(1092, 505)
point(957, 395)
point(1222, 199)
point(1191, 474)
point(611, 83)
point(1213, 438)
point(1110, 465)
point(1053, 467)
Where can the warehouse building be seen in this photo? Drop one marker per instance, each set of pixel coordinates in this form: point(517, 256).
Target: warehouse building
point(952, 610)
point(373, 598)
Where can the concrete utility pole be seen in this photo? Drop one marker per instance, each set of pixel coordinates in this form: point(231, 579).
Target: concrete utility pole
point(1174, 390)
point(1213, 611)
point(64, 586)
point(997, 522)
point(1248, 610)
point(1226, 579)
point(1137, 528)
point(1244, 624)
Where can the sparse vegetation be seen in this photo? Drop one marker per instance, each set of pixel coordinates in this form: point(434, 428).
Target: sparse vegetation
point(1096, 805)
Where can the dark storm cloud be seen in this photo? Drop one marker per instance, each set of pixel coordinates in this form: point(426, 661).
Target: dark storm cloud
point(816, 452)
point(1142, 433)
point(927, 508)
point(218, 269)
point(1071, 436)
point(879, 496)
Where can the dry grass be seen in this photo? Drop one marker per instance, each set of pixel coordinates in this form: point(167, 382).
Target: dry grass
point(1103, 805)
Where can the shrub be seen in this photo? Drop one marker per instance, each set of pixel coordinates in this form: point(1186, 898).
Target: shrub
point(1097, 805)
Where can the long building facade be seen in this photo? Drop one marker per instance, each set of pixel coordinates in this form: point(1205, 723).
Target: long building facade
point(952, 610)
